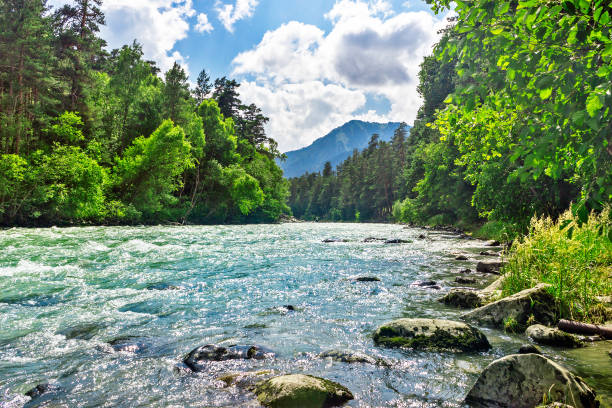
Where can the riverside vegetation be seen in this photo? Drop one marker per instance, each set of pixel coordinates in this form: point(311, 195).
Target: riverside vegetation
point(90, 136)
point(512, 142)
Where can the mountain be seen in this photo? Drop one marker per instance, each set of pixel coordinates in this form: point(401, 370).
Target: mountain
point(335, 147)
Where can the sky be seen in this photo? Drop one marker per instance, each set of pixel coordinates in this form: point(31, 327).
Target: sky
point(310, 65)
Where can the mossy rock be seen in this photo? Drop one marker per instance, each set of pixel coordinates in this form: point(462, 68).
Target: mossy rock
point(299, 390)
point(524, 380)
point(551, 336)
point(462, 298)
point(535, 304)
point(431, 334)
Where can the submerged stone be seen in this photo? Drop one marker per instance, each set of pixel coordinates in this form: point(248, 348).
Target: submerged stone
point(522, 380)
point(245, 379)
point(465, 281)
point(84, 331)
point(367, 279)
point(521, 306)
point(345, 356)
point(303, 391)
point(461, 258)
point(374, 239)
point(551, 336)
point(431, 334)
point(41, 389)
point(197, 358)
point(397, 241)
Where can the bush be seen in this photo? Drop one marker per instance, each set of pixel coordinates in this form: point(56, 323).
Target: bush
point(576, 260)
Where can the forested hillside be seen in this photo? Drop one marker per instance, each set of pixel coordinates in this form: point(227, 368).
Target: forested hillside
point(515, 123)
point(90, 136)
point(334, 147)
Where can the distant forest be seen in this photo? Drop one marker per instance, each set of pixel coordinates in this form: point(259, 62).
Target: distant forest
point(90, 136)
point(515, 123)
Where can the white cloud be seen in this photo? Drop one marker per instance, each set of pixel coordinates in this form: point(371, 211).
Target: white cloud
point(156, 24)
point(229, 14)
point(309, 81)
point(203, 25)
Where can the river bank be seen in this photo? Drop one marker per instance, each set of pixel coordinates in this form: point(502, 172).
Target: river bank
point(69, 297)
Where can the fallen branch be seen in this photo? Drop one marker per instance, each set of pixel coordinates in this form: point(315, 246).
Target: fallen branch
point(571, 326)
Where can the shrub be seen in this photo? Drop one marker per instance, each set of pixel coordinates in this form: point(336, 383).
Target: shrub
point(575, 258)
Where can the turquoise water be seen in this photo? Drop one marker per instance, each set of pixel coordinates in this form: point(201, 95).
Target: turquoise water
point(66, 293)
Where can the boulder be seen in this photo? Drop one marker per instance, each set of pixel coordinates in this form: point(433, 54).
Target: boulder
point(522, 381)
point(431, 334)
point(197, 358)
point(536, 302)
point(345, 356)
point(299, 390)
point(551, 336)
point(489, 267)
point(529, 348)
point(493, 291)
point(461, 258)
point(462, 298)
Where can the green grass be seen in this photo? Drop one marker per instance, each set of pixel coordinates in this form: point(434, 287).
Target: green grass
point(575, 260)
point(497, 230)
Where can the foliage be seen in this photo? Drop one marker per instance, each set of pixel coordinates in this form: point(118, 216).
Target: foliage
point(93, 136)
point(149, 171)
point(576, 259)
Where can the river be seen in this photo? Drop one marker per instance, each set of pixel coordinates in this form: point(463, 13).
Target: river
point(65, 293)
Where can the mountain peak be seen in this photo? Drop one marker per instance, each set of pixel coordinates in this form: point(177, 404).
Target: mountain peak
point(335, 147)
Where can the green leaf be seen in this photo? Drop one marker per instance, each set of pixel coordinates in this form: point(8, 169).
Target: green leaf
point(593, 104)
point(610, 234)
point(570, 232)
point(497, 30)
point(527, 4)
point(545, 93)
point(565, 224)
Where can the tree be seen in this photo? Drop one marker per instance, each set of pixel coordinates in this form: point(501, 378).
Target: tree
point(226, 95)
point(176, 94)
point(203, 87)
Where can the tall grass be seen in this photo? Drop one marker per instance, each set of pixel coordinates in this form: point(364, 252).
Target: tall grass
point(575, 260)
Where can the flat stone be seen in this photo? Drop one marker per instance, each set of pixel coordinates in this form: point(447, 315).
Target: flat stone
point(536, 302)
point(462, 298)
point(521, 381)
point(465, 281)
point(367, 279)
point(197, 358)
point(431, 334)
point(551, 336)
point(397, 241)
point(345, 356)
point(299, 390)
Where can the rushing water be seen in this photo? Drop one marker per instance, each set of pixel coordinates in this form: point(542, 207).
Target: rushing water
point(66, 293)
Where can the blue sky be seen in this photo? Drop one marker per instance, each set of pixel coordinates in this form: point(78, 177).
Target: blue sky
point(311, 65)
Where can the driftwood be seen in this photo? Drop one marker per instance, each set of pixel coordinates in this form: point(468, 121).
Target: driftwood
point(571, 326)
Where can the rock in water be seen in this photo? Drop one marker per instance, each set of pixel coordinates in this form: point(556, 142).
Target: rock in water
point(299, 390)
point(522, 380)
point(212, 352)
point(489, 267)
point(431, 334)
point(367, 279)
point(397, 241)
point(462, 298)
point(552, 336)
point(465, 281)
point(520, 306)
point(493, 243)
point(529, 348)
point(461, 258)
point(347, 356)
